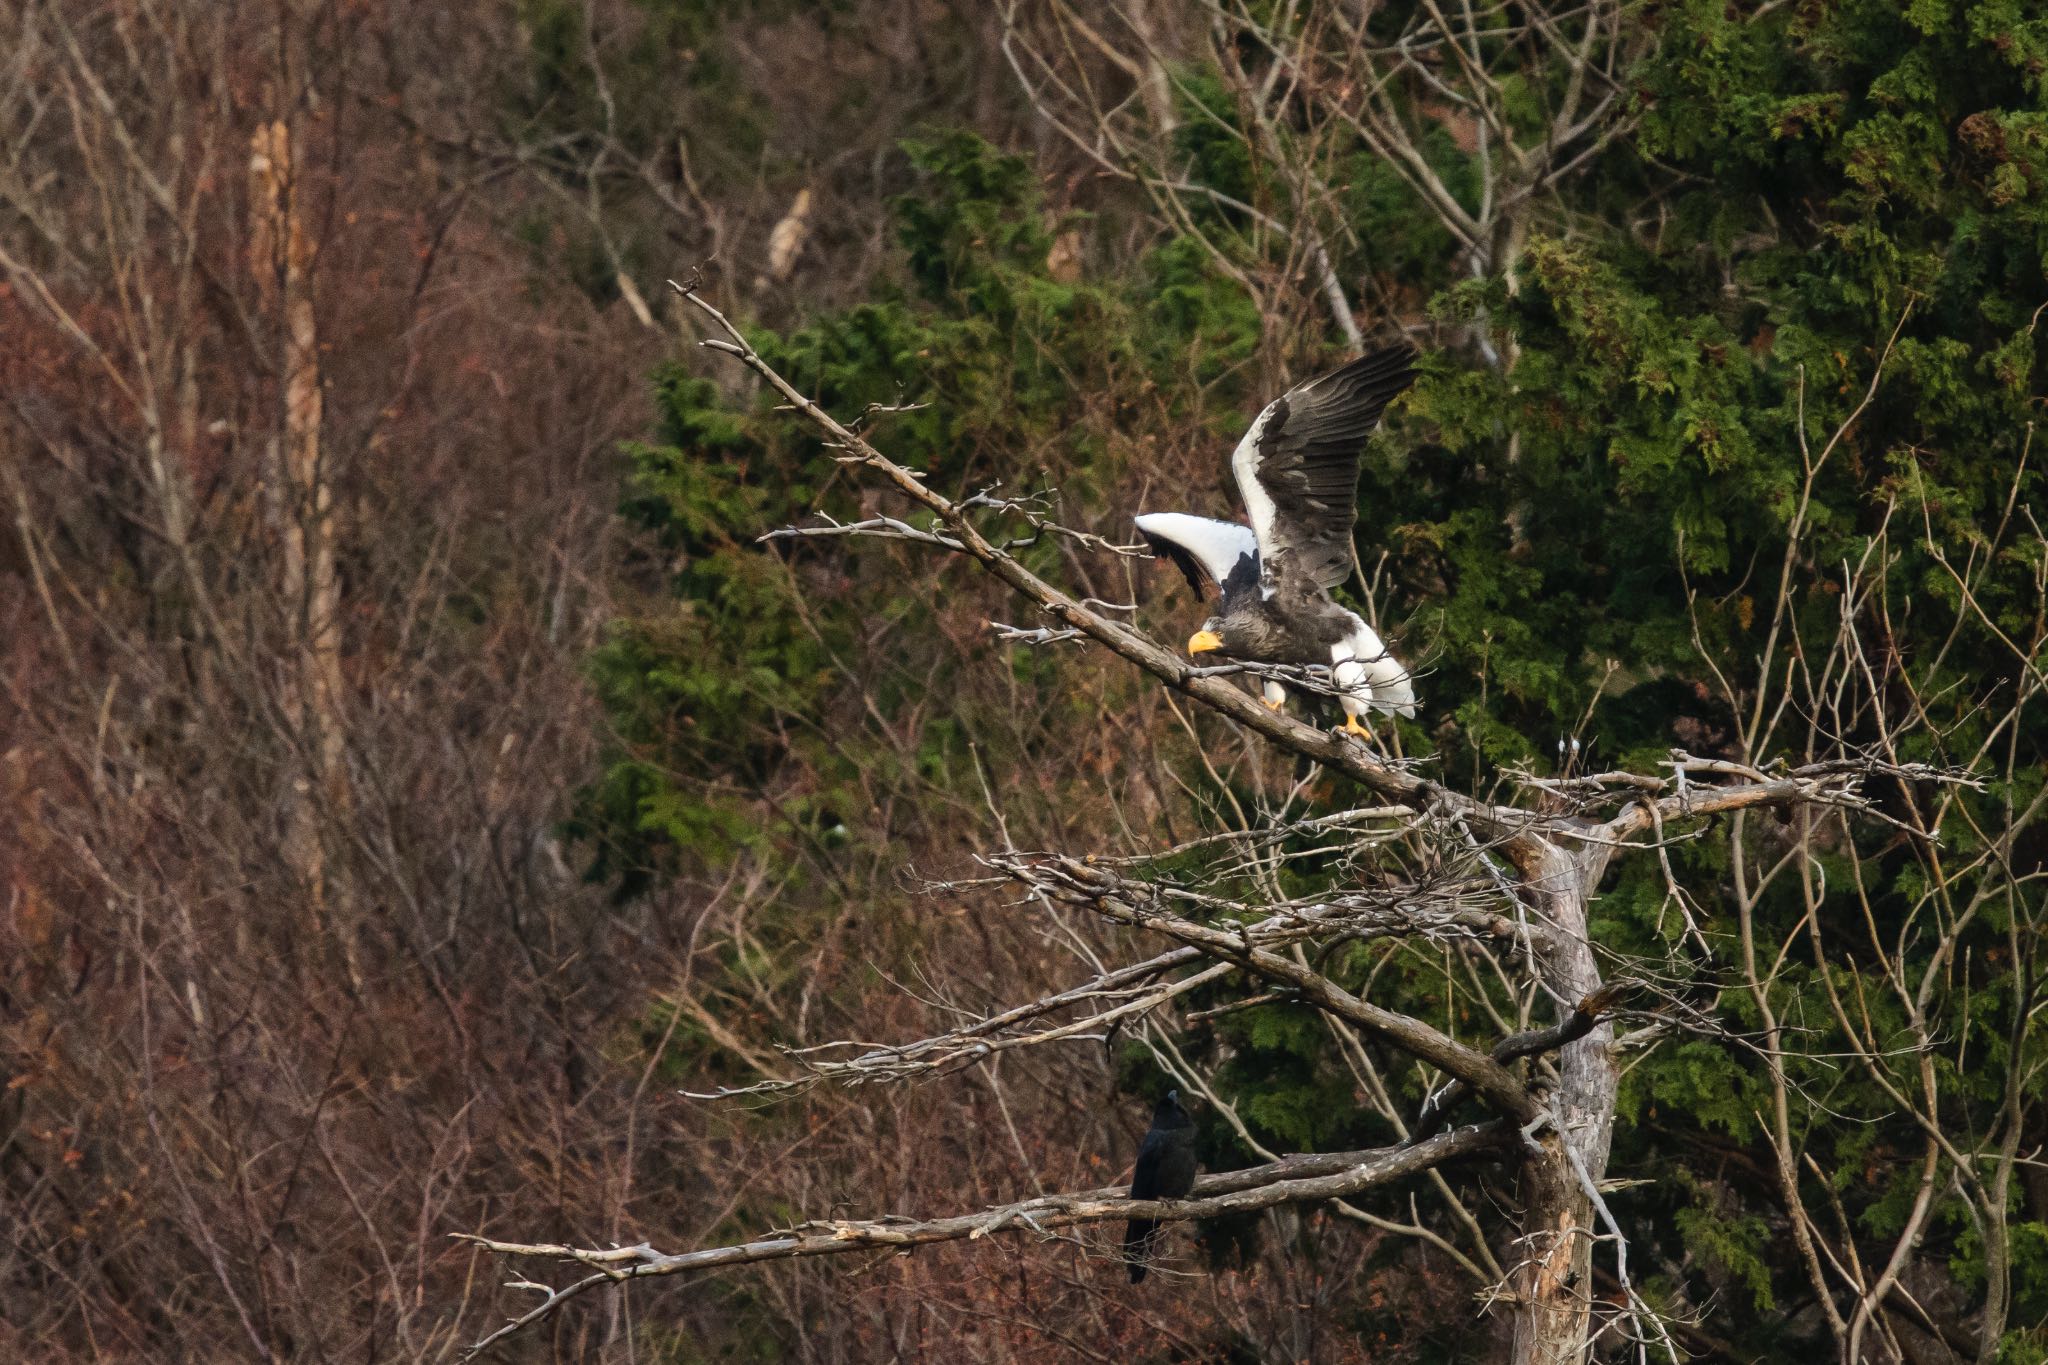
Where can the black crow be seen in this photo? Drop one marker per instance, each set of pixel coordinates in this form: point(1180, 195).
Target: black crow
point(1166, 1170)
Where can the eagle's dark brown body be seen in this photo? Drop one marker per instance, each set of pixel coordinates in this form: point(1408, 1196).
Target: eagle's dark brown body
point(1279, 630)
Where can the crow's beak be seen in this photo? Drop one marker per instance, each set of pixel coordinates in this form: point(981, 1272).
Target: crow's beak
point(1204, 640)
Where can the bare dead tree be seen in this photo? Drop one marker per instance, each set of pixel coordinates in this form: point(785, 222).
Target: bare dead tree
point(300, 496)
point(1512, 877)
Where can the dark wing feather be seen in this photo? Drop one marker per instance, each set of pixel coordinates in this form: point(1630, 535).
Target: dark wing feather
point(1297, 468)
point(1147, 1179)
point(1190, 567)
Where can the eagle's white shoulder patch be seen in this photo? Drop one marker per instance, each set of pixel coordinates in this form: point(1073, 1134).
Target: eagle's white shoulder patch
point(1216, 545)
point(1258, 502)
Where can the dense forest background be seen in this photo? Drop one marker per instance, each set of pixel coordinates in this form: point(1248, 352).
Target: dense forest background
point(417, 772)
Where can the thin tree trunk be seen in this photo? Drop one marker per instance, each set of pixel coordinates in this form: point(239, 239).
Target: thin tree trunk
point(280, 254)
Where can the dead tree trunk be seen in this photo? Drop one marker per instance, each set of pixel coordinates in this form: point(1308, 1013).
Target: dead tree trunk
point(1552, 1300)
point(301, 506)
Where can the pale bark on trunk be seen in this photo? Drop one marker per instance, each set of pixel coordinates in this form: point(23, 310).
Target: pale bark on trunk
point(280, 256)
point(1552, 1279)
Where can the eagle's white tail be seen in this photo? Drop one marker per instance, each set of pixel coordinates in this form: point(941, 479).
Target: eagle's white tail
point(1371, 677)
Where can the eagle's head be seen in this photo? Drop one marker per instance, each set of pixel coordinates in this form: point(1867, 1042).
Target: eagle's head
point(1211, 638)
point(1226, 636)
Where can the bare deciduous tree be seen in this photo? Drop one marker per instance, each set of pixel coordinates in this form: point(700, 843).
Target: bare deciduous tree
point(244, 1059)
point(1505, 882)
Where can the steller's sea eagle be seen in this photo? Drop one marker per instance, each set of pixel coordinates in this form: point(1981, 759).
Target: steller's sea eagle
point(1297, 471)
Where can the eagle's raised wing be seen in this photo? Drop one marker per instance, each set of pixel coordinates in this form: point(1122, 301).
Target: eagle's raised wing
point(1297, 468)
point(1206, 552)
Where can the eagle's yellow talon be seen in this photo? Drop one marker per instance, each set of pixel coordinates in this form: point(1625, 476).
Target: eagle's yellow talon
point(1353, 728)
point(1271, 705)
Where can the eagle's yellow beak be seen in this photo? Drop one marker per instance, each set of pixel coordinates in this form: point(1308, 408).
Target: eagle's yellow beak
point(1204, 640)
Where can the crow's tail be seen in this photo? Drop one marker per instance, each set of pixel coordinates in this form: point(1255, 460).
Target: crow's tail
point(1139, 1234)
